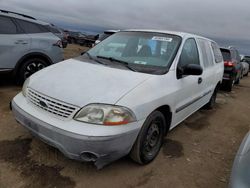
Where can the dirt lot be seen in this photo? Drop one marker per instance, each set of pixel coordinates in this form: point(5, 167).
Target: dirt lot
point(197, 154)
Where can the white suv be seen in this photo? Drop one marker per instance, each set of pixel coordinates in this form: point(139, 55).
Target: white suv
point(26, 45)
point(122, 96)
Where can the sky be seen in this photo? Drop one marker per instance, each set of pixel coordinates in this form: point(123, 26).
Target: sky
point(225, 21)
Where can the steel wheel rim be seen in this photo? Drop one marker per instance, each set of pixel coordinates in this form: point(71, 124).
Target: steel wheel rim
point(152, 141)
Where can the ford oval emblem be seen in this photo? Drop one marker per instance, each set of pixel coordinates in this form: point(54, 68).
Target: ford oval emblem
point(43, 104)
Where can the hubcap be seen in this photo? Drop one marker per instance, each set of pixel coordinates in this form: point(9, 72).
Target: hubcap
point(32, 68)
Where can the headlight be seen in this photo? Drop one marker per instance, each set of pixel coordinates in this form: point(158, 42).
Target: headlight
point(103, 114)
point(25, 85)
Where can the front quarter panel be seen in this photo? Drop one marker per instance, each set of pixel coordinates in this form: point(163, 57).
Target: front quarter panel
point(155, 92)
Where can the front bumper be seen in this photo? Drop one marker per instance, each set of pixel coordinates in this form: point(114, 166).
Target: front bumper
point(106, 148)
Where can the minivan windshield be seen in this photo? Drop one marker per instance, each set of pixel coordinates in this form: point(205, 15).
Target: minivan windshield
point(148, 52)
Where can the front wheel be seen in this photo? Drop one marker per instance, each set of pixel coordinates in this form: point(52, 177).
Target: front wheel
point(29, 67)
point(150, 139)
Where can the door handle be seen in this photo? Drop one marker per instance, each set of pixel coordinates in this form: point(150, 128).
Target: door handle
point(199, 80)
point(21, 42)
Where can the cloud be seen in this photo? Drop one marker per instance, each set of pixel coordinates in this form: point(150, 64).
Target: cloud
point(215, 18)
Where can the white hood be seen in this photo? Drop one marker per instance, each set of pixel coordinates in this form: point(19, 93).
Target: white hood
point(80, 83)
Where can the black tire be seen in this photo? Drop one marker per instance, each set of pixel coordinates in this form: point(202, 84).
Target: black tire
point(237, 81)
point(29, 67)
point(150, 139)
point(229, 85)
point(212, 101)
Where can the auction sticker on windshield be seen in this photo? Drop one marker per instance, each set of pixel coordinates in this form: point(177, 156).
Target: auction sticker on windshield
point(140, 62)
point(165, 39)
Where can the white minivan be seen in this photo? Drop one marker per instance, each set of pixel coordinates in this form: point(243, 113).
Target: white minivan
point(122, 96)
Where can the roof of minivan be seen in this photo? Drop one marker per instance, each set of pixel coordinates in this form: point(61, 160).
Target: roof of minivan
point(181, 34)
point(13, 15)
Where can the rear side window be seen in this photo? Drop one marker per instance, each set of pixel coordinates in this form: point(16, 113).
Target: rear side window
point(206, 52)
point(7, 26)
point(217, 53)
point(30, 27)
point(226, 55)
point(189, 54)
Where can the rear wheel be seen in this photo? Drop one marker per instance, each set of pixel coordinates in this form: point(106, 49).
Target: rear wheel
point(150, 139)
point(29, 67)
point(211, 103)
point(229, 85)
point(237, 81)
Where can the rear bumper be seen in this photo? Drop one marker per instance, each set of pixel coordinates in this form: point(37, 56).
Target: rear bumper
point(105, 148)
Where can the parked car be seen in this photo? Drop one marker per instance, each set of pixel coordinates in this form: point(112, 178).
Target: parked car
point(105, 35)
point(59, 33)
point(122, 96)
point(74, 37)
point(26, 46)
point(245, 68)
point(88, 40)
point(233, 68)
point(246, 59)
point(241, 167)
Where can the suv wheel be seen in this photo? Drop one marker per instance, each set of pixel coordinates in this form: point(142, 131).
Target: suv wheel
point(29, 67)
point(229, 85)
point(237, 81)
point(150, 139)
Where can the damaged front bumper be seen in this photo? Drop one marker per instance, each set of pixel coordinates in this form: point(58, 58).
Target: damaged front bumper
point(102, 150)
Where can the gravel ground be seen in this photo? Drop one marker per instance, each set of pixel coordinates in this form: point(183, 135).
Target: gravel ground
point(197, 154)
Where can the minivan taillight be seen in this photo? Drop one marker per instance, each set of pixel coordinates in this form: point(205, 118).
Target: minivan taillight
point(59, 44)
point(228, 63)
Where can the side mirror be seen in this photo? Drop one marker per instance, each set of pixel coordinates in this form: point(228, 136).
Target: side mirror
point(190, 69)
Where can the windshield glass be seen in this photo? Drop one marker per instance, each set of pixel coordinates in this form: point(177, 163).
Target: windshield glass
point(144, 50)
point(104, 36)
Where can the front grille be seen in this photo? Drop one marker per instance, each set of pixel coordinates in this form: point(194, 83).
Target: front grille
point(53, 106)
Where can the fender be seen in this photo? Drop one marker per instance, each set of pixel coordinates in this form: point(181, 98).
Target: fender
point(32, 55)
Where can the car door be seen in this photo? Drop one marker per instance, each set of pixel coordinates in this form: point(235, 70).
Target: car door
point(13, 43)
point(190, 87)
point(210, 73)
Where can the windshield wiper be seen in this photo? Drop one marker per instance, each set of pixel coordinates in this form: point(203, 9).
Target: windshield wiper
point(90, 57)
point(126, 64)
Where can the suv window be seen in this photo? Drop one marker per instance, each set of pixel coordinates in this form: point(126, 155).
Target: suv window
point(7, 26)
point(189, 54)
point(226, 55)
point(52, 29)
point(217, 53)
point(30, 27)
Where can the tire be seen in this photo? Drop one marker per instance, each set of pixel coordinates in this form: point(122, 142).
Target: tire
point(212, 101)
point(29, 67)
point(150, 139)
point(237, 81)
point(229, 85)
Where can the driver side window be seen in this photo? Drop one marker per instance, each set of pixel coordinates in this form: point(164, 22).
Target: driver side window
point(189, 54)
